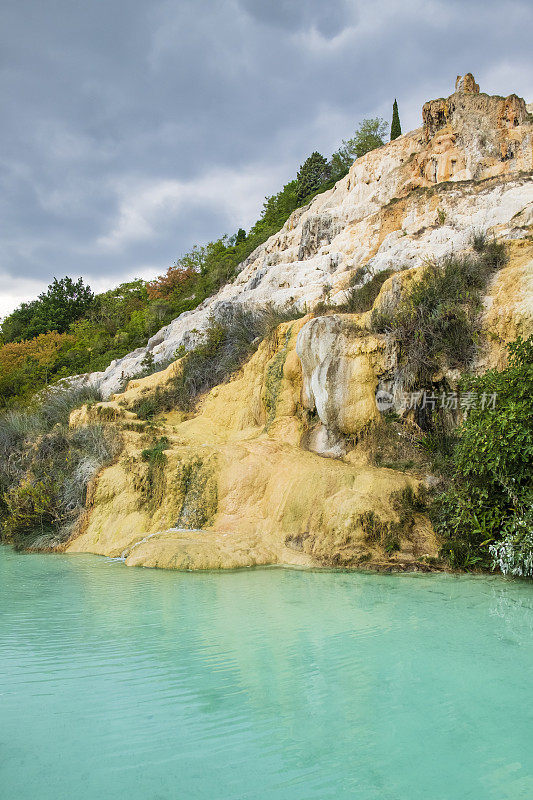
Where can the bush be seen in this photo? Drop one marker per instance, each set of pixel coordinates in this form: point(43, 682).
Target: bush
point(361, 298)
point(485, 514)
point(228, 342)
point(436, 323)
point(513, 555)
point(45, 468)
point(369, 135)
point(156, 454)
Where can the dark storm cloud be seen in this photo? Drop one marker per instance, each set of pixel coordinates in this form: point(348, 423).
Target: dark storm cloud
point(130, 131)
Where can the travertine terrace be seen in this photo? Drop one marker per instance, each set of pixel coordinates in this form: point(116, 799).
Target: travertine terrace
point(260, 489)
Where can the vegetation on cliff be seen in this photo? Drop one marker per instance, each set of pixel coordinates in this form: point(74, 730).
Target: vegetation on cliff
point(68, 330)
point(486, 514)
point(46, 468)
point(416, 329)
point(436, 323)
point(228, 342)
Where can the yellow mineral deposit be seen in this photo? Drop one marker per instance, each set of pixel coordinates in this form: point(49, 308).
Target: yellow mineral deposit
point(272, 467)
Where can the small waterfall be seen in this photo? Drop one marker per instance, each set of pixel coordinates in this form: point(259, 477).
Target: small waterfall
point(127, 552)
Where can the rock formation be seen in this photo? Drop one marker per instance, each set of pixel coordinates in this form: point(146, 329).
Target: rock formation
point(271, 467)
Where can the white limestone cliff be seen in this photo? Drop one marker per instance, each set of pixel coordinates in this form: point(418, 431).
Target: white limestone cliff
point(468, 168)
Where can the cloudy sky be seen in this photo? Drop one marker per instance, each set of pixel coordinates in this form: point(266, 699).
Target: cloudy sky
point(132, 130)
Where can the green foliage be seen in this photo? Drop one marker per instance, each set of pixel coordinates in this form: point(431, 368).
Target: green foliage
point(30, 505)
point(369, 135)
point(486, 511)
point(314, 172)
point(45, 468)
point(386, 534)
point(479, 241)
point(405, 502)
point(435, 323)
point(156, 454)
point(395, 128)
point(513, 555)
point(361, 298)
point(63, 303)
point(274, 376)
point(197, 492)
point(226, 345)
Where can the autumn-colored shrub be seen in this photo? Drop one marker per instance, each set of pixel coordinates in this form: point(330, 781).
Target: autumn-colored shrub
point(30, 364)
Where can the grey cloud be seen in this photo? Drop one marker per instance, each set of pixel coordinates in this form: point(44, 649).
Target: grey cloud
point(328, 18)
point(104, 104)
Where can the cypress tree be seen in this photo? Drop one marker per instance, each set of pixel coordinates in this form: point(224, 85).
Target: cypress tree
point(395, 128)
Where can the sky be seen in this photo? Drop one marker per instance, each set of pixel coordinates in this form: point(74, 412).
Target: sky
point(132, 130)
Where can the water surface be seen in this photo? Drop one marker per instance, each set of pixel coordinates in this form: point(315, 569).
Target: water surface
point(145, 684)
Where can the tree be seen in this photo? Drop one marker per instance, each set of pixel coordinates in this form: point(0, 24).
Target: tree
point(28, 365)
point(395, 128)
point(488, 508)
point(367, 137)
point(63, 303)
point(312, 174)
point(241, 236)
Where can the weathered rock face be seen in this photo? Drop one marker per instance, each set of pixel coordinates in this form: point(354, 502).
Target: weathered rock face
point(237, 488)
point(244, 480)
point(466, 84)
point(373, 218)
point(339, 367)
point(475, 135)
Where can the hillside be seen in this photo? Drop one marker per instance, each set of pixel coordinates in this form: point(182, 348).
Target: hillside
point(314, 439)
point(468, 168)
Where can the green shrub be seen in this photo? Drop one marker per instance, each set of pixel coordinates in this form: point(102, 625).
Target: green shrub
point(361, 298)
point(228, 342)
point(45, 467)
point(156, 454)
point(479, 240)
point(436, 322)
point(485, 513)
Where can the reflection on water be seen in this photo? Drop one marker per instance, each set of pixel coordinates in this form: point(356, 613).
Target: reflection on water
point(131, 683)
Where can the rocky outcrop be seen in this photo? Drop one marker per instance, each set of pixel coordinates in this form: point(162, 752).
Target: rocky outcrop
point(473, 135)
point(340, 363)
point(420, 196)
point(239, 488)
point(278, 466)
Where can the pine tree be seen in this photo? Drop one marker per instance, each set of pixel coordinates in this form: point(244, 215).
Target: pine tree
point(395, 128)
point(312, 174)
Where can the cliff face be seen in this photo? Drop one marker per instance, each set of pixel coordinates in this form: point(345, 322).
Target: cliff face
point(240, 488)
point(244, 480)
point(469, 167)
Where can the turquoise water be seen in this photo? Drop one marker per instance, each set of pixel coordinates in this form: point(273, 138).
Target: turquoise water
point(145, 684)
